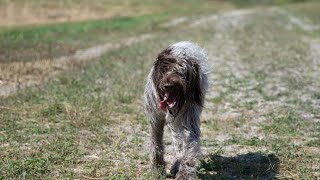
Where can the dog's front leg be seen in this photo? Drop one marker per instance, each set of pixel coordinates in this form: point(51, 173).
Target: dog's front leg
point(177, 138)
point(191, 149)
point(156, 144)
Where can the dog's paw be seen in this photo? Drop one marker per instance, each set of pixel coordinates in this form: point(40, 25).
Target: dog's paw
point(175, 168)
point(186, 172)
point(159, 169)
point(185, 176)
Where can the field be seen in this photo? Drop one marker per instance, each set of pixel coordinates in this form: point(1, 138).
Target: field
point(71, 87)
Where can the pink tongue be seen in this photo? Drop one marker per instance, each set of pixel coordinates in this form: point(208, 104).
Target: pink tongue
point(163, 103)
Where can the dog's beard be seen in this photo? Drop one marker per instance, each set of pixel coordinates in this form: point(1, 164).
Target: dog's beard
point(170, 100)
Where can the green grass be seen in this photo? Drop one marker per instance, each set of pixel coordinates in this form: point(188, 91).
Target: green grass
point(287, 122)
point(60, 39)
point(72, 31)
point(250, 3)
point(307, 10)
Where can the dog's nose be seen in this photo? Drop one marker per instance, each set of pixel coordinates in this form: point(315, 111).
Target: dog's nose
point(173, 79)
point(168, 86)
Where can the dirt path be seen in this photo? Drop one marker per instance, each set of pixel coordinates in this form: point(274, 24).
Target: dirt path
point(46, 69)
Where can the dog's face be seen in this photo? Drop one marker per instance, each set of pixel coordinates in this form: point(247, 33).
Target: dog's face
point(177, 81)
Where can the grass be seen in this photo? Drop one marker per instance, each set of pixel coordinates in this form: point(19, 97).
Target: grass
point(286, 123)
point(29, 52)
point(88, 122)
point(90, 100)
point(54, 40)
point(23, 44)
point(250, 3)
point(93, 101)
point(307, 10)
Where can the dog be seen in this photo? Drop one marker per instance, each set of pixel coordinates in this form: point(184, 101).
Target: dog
point(174, 96)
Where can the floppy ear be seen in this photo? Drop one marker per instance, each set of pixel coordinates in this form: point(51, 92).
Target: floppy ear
point(195, 89)
point(162, 64)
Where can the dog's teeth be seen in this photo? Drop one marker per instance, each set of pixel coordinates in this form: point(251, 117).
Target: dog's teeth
point(172, 104)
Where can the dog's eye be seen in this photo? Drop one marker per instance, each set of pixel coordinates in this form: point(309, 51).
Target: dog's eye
point(164, 70)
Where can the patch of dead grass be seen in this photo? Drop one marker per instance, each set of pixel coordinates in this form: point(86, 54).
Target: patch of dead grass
point(58, 12)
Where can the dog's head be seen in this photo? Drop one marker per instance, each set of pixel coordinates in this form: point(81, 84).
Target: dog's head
point(177, 81)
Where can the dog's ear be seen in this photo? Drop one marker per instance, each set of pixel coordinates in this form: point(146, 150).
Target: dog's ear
point(195, 88)
point(162, 64)
point(156, 75)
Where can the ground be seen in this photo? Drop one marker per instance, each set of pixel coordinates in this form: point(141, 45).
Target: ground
point(71, 104)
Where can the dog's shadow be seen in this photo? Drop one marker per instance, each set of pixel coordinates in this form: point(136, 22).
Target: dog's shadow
point(246, 166)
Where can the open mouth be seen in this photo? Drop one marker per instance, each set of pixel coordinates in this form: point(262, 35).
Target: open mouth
point(169, 100)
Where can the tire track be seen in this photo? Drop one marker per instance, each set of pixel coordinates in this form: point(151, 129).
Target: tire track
point(49, 68)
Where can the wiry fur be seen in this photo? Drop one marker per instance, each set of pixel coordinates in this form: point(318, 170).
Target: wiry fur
point(181, 69)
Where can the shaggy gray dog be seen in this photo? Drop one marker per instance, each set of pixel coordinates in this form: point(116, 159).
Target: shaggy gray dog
point(174, 95)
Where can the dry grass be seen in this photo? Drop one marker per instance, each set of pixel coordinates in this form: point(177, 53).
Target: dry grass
point(261, 119)
point(44, 12)
point(49, 12)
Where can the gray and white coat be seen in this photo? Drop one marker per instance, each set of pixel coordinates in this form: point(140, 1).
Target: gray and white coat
point(174, 96)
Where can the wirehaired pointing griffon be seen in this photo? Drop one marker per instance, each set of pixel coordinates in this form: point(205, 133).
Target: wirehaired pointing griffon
point(174, 96)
